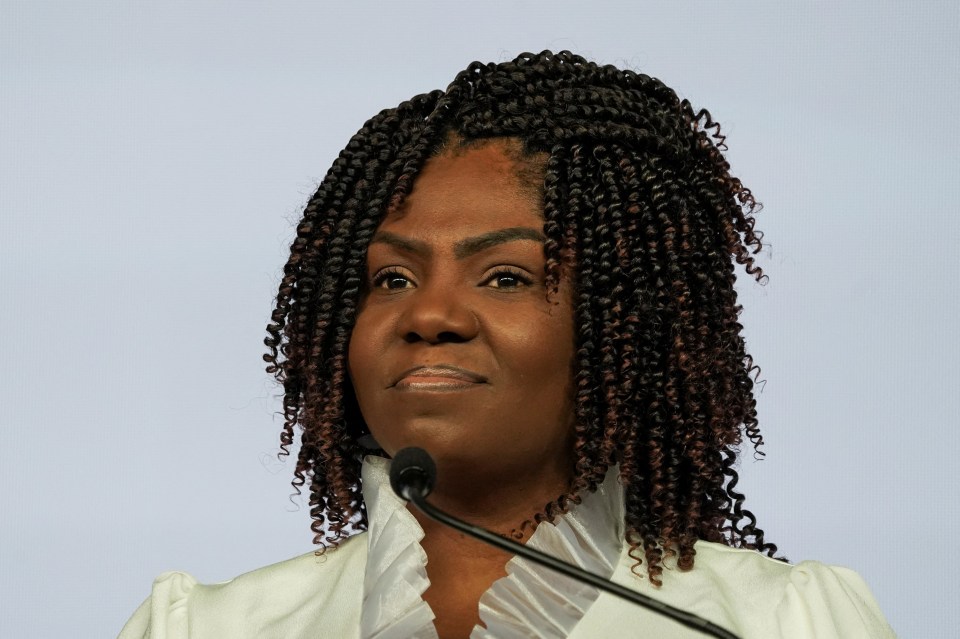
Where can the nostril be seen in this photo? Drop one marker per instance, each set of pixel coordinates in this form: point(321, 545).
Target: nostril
point(443, 337)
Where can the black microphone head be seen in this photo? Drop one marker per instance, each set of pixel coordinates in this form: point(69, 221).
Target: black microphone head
point(412, 469)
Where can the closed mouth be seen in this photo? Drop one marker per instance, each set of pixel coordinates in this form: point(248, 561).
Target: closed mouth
point(438, 376)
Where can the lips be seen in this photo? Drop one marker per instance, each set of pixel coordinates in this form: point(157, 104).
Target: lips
point(437, 377)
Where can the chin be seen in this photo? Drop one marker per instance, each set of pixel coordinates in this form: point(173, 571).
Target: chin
point(452, 458)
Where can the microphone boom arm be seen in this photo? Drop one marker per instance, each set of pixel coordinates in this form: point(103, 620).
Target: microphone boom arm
point(680, 616)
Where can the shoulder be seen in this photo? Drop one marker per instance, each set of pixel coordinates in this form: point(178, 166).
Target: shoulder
point(288, 599)
point(756, 596)
point(809, 599)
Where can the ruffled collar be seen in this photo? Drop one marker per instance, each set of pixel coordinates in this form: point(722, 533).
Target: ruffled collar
point(530, 601)
point(396, 574)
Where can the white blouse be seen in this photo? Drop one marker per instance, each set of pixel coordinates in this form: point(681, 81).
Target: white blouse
point(309, 596)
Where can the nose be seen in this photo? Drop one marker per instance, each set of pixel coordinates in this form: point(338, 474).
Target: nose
point(438, 314)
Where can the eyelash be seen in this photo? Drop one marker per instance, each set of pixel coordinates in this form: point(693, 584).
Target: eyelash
point(522, 278)
point(386, 274)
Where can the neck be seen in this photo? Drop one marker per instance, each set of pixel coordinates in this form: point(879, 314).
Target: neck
point(490, 503)
point(501, 494)
point(459, 569)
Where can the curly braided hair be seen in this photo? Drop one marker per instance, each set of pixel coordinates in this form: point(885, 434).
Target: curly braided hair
point(639, 198)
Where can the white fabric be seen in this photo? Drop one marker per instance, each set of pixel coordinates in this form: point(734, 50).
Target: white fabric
point(396, 572)
point(372, 586)
point(533, 601)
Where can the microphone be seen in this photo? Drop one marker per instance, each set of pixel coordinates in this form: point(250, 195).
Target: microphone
point(413, 474)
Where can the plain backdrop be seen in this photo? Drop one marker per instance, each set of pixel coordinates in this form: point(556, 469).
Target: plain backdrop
point(154, 157)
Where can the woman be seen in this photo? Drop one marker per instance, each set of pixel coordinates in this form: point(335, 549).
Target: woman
point(530, 275)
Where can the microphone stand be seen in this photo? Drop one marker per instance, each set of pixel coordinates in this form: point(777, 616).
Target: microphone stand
point(688, 619)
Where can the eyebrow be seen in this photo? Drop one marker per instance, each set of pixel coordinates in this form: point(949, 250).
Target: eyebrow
point(465, 247)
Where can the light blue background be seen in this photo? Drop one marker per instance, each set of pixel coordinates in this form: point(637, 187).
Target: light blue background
point(154, 156)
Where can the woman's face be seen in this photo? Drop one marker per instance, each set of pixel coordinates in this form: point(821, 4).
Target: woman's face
point(456, 348)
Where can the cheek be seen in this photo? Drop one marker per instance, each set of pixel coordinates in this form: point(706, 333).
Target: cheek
point(542, 349)
point(562, 346)
point(362, 353)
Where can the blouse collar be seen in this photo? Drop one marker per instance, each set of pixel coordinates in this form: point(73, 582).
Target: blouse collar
point(531, 601)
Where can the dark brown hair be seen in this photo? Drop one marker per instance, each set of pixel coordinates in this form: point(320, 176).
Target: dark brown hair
point(637, 194)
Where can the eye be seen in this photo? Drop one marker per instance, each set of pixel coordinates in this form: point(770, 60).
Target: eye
point(507, 278)
point(392, 279)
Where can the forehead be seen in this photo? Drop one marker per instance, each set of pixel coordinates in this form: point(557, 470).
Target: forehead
point(476, 188)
